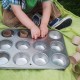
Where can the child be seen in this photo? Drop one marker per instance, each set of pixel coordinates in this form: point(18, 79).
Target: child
point(18, 12)
point(16, 6)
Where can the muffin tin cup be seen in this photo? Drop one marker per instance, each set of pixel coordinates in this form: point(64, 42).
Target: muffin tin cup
point(60, 59)
point(57, 46)
point(40, 59)
point(40, 45)
point(22, 45)
point(7, 33)
point(21, 59)
point(5, 44)
point(55, 35)
point(4, 58)
point(19, 51)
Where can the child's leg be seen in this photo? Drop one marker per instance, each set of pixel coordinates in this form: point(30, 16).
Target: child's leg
point(55, 12)
point(9, 19)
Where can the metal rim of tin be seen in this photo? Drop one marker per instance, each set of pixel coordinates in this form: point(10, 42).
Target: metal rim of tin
point(40, 59)
point(4, 57)
point(22, 45)
point(60, 59)
point(54, 35)
point(57, 45)
point(7, 33)
point(39, 45)
point(5, 44)
point(21, 58)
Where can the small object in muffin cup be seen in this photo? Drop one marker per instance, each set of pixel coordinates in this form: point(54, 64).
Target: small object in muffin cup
point(23, 33)
point(78, 48)
point(76, 40)
point(7, 33)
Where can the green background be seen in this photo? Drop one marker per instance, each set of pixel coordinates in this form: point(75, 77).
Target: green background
point(72, 5)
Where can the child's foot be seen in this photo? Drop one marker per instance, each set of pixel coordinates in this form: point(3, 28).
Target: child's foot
point(60, 23)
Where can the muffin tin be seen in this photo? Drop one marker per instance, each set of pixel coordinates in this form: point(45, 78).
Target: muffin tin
point(19, 51)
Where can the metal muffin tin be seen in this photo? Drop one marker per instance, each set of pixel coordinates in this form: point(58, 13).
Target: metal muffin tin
point(26, 53)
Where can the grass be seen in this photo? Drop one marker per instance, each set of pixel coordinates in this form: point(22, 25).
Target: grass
point(71, 5)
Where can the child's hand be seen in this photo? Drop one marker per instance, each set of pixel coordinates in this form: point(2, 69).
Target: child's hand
point(44, 30)
point(35, 32)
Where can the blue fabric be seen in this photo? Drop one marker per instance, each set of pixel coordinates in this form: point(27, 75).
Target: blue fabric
point(53, 22)
point(6, 3)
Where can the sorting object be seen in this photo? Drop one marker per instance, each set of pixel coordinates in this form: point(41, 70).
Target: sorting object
point(77, 56)
point(76, 40)
point(72, 60)
point(78, 48)
point(20, 51)
point(76, 68)
point(7, 33)
point(23, 33)
point(75, 60)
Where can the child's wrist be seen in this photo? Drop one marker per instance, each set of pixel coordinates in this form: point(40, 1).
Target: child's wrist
point(43, 25)
point(32, 27)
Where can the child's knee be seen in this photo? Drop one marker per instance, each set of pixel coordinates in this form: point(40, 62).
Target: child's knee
point(11, 23)
point(55, 11)
point(9, 19)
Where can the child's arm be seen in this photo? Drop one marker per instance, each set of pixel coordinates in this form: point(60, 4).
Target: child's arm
point(45, 18)
point(25, 20)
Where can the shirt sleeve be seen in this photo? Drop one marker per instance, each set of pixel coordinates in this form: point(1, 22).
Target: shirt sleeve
point(7, 3)
point(16, 2)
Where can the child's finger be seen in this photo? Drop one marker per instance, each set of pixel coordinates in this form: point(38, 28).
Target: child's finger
point(39, 35)
point(35, 37)
point(31, 35)
point(42, 34)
